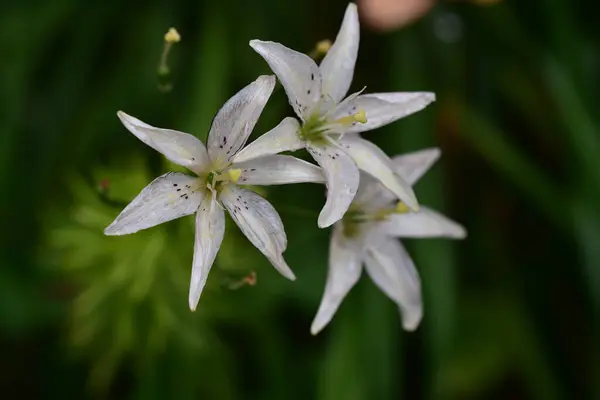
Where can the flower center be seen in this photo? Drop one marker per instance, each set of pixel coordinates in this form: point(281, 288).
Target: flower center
point(355, 217)
point(315, 127)
point(215, 180)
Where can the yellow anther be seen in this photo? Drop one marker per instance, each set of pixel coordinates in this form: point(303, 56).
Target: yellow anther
point(361, 117)
point(402, 208)
point(172, 36)
point(348, 120)
point(323, 46)
point(234, 174)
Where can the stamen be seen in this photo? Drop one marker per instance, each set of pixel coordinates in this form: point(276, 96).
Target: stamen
point(360, 116)
point(402, 208)
point(234, 174)
point(323, 46)
point(172, 36)
point(320, 49)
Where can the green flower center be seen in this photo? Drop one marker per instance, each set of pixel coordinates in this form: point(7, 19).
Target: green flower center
point(315, 127)
point(355, 216)
point(216, 179)
point(312, 130)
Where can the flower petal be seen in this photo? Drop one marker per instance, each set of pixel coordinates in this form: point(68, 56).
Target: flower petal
point(337, 68)
point(375, 162)
point(372, 195)
point(343, 273)
point(297, 72)
point(168, 197)
point(179, 147)
point(234, 122)
point(423, 224)
point(284, 137)
point(391, 268)
point(261, 224)
point(384, 108)
point(412, 166)
point(278, 170)
point(210, 228)
point(342, 177)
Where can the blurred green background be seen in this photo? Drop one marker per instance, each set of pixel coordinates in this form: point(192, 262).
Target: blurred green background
point(510, 313)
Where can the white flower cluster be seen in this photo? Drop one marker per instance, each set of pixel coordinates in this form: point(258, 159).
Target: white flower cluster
point(370, 201)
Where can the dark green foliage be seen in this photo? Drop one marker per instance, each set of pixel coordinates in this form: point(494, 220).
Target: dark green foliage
point(510, 312)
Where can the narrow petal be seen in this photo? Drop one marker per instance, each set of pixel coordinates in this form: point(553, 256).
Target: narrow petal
point(278, 170)
point(391, 268)
point(342, 177)
point(210, 228)
point(168, 197)
point(337, 68)
point(284, 137)
point(343, 273)
point(412, 166)
point(375, 162)
point(426, 223)
point(179, 147)
point(234, 122)
point(297, 72)
point(384, 108)
point(372, 195)
point(261, 224)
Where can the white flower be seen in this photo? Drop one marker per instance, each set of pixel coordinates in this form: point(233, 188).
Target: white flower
point(175, 195)
point(330, 123)
point(368, 234)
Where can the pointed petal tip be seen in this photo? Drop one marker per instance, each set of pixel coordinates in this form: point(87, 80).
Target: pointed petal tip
point(193, 302)
point(266, 78)
point(315, 328)
point(291, 276)
point(256, 43)
point(111, 230)
point(411, 321)
point(460, 232)
point(288, 273)
point(412, 204)
point(123, 116)
point(324, 222)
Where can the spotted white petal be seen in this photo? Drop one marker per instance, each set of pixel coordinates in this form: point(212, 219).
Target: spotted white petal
point(412, 166)
point(284, 137)
point(391, 268)
point(375, 162)
point(342, 177)
point(261, 224)
point(423, 224)
point(210, 228)
point(278, 170)
point(384, 108)
point(337, 68)
point(179, 147)
point(168, 197)
point(343, 272)
point(297, 72)
point(234, 122)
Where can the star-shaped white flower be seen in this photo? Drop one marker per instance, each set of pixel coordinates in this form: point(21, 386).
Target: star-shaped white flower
point(175, 195)
point(330, 123)
point(368, 234)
